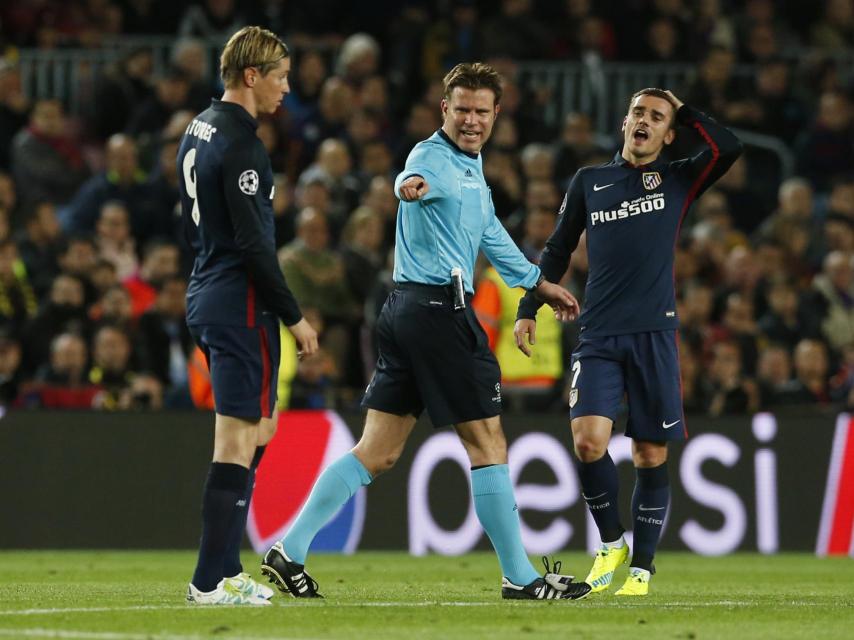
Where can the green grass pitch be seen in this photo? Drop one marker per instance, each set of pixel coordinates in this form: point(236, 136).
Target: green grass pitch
point(139, 596)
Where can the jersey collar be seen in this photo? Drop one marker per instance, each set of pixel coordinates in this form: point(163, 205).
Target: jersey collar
point(447, 139)
point(620, 161)
point(236, 109)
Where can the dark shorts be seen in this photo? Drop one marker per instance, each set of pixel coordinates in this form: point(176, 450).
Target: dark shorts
point(244, 366)
point(643, 366)
point(433, 357)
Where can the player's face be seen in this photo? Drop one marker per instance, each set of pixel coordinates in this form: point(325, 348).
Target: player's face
point(646, 128)
point(469, 116)
point(271, 89)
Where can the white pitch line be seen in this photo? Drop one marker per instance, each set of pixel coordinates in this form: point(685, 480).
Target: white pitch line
point(592, 603)
point(113, 635)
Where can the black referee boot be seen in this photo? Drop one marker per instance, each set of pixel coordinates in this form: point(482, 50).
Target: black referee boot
point(288, 576)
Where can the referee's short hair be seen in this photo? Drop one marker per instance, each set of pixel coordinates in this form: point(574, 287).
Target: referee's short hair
point(474, 76)
point(250, 47)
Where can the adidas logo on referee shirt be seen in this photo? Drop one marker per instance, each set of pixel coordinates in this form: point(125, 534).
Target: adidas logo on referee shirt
point(468, 173)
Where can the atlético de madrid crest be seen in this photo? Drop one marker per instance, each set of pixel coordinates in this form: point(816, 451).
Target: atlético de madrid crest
point(651, 180)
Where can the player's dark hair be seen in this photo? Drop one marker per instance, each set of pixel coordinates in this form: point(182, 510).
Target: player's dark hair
point(473, 75)
point(250, 47)
point(656, 93)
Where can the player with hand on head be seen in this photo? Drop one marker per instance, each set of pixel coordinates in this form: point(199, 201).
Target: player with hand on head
point(236, 297)
point(433, 353)
point(631, 209)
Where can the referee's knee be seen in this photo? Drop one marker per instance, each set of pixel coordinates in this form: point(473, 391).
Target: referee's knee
point(376, 463)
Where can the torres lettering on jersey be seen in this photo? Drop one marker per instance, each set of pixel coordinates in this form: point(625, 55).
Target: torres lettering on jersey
point(201, 130)
point(645, 204)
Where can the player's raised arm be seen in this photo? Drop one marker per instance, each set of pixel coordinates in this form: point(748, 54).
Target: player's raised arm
point(259, 253)
point(722, 147)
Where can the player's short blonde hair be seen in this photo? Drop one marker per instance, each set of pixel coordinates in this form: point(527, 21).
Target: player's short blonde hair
point(250, 47)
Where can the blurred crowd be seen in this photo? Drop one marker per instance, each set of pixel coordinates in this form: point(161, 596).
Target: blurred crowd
point(93, 265)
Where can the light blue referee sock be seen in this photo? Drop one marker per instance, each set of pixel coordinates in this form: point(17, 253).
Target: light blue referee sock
point(496, 509)
point(337, 484)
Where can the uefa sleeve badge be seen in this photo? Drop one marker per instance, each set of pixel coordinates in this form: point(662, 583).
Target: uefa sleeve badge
point(248, 182)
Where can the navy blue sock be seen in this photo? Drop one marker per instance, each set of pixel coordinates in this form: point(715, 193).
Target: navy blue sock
point(225, 485)
point(231, 566)
point(649, 506)
point(599, 487)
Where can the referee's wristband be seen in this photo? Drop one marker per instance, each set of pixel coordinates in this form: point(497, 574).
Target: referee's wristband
point(540, 281)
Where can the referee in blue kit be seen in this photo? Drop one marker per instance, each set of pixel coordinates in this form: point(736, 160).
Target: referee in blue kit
point(433, 354)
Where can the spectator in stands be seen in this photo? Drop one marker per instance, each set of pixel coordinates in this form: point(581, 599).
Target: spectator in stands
point(835, 31)
point(103, 276)
point(774, 372)
point(114, 308)
point(833, 299)
point(825, 150)
point(728, 390)
point(361, 251)
point(38, 245)
point(144, 393)
point(334, 162)
point(14, 106)
point(452, 37)
point(121, 87)
point(160, 260)
point(421, 123)
point(111, 370)
point(738, 325)
point(18, 302)
point(190, 57)
point(531, 39)
point(63, 311)
point(358, 58)
point(306, 84)
point(375, 160)
point(380, 197)
point(336, 103)
point(810, 385)
point(709, 28)
point(577, 145)
point(213, 20)
point(122, 180)
point(782, 322)
point(745, 204)
point(62, 382)
point(714, 89)
point(795, 212)
point(171, 94)
point(46, 161)
point(77, 258)
point(538, 227)
point(113, 239)
point(164, 344)
point(782, 114)
point(315, 274)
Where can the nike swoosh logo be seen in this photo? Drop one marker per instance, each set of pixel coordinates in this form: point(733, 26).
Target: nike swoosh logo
point(664, 425)
point(593, 497)
point(643, 508)
point(596, 187)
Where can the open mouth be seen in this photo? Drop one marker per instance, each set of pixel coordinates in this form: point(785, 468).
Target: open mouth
point(640, 135)
point(470, 135)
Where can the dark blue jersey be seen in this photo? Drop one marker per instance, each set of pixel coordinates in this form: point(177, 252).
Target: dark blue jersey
point(632, 216)
point(226, 201)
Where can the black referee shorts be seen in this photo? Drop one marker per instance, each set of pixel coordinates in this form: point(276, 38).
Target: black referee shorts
point(433, 357)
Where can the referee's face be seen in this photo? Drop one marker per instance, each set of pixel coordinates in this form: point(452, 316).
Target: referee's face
point(469, 116)
point(269, 90)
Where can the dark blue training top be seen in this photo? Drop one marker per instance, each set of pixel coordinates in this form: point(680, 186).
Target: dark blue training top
point(632, 215)
point(227, 211)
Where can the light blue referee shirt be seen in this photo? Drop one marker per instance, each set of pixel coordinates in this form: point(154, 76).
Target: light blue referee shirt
point(447, 227)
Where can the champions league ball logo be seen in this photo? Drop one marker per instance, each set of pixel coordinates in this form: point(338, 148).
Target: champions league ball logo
point(304, 445)
point(248, 182)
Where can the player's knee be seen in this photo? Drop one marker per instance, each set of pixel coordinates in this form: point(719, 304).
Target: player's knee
point(648, 455)
point(588, 449)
